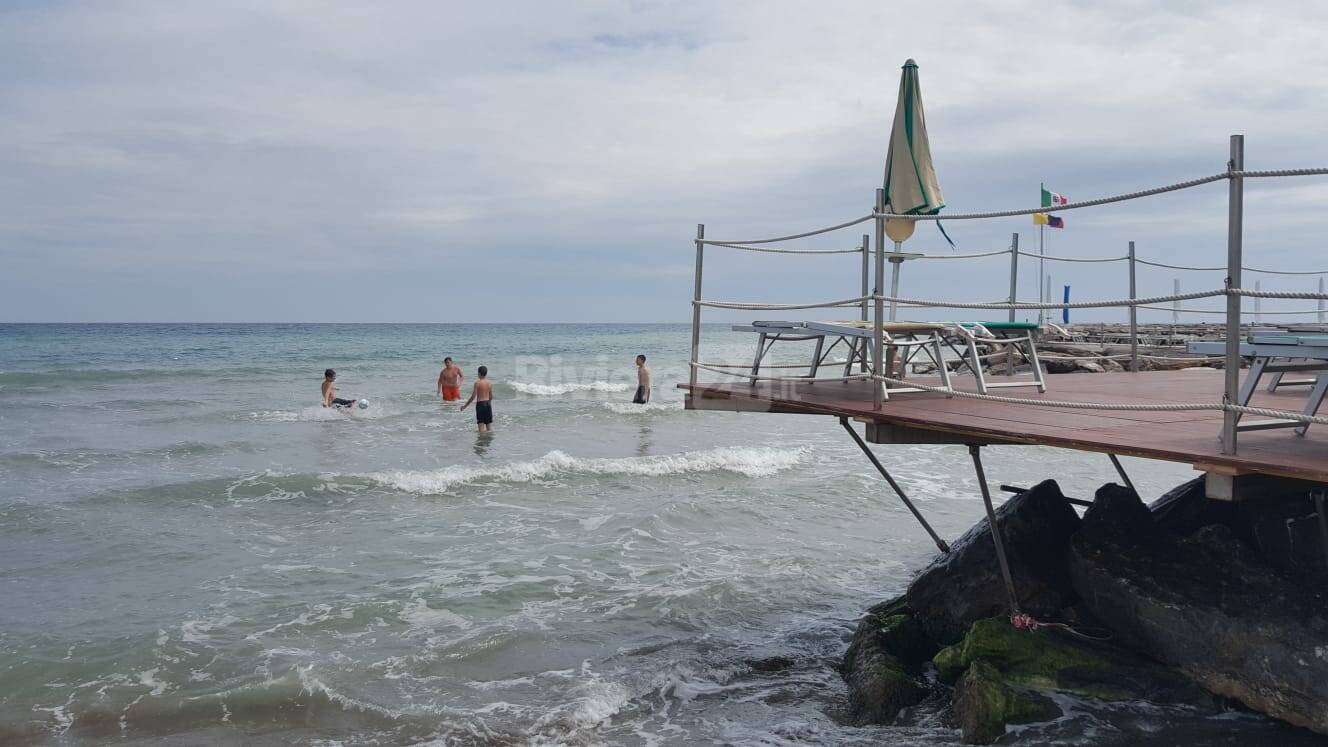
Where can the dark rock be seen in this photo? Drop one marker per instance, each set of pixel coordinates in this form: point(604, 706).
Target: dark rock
point(1233, 627)
point(1060, 365)
point(965, 585)
point(882, 663)
point(771, 664)
point(1046, 660)
point(1186, 507)
point(984, 704)
point(1117, 513)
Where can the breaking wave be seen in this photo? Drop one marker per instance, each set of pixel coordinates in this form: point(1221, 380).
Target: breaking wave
point(746, 461)
point(553, 390)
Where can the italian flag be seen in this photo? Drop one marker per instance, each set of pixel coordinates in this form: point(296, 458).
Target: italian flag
point(1052, 199)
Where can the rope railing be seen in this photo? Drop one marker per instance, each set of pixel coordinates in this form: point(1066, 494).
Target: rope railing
point(773, 250)
point(1060, 208)
point(1223, 269)
point(790, 237)
point(1244, 312)
point(1074, 259)
point(962, 256)
point(1146, 302)
point(1112, 199)
point(752, 306)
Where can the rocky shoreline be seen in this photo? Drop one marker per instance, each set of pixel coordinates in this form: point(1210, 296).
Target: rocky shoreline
point(1186, 602)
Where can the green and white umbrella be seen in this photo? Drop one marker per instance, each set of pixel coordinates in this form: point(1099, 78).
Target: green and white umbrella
point(911, 186)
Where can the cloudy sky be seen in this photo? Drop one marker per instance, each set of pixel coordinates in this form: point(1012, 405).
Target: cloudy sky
point(436, 161)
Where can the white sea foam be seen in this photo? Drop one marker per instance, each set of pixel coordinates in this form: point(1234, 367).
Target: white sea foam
point(421, 615)
point(628, 408)
point(315, 413)
point(554, 390)
point(747, 461)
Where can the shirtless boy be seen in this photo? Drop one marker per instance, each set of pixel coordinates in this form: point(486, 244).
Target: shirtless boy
point(482, 396)
point(642, 381)
point(330, 398)
point(449, 381)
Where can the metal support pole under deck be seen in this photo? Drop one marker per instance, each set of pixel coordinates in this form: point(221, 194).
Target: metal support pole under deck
point(878, 342)
point(696, 305)
point(1235, 231)
point(996, 539)
point(1014, 272)
point(1120, 470)
point(1134, 319)
point(940, 543)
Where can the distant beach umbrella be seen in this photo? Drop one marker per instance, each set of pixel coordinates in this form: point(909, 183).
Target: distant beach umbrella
point(911, 186)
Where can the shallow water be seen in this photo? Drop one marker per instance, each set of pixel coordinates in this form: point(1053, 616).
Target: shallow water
point(191, 550)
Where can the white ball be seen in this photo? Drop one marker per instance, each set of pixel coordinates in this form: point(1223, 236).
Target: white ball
point(364, 404)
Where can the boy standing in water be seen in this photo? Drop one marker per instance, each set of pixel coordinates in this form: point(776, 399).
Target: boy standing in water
point(482, 396)
point(642, 381)
point(449, 381)
point(330, 393)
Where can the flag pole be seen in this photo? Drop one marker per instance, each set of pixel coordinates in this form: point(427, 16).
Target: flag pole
point(1042, 264)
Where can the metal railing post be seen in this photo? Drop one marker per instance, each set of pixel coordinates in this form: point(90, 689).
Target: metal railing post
point(696, 305)
point(878, 343)
point(1175, 305)
point(866, 270)
point(1014, 271)
point(1134, 318)
point(1321, 307)
point(1235, 231)
point(1258, 305)
point(866, 291)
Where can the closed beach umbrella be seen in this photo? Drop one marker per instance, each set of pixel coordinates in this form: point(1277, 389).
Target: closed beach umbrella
point(911, 186)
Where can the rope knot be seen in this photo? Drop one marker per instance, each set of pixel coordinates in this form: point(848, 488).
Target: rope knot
point(1024, 621)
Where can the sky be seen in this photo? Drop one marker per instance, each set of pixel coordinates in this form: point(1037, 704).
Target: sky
point(532, 161)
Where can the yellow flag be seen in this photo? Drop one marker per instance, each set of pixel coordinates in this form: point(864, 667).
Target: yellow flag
point(1040, 219)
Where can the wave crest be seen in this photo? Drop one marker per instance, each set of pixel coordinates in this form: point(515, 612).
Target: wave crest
point(553, 390)
point(746, 461)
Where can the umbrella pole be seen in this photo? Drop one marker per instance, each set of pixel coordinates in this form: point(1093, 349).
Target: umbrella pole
point(894, 278)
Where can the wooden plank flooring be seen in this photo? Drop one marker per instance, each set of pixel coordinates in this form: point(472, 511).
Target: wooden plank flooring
point(1188, 437)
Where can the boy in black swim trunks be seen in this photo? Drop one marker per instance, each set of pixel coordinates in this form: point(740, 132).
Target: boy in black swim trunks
point(330, 398)
point(482, 395)
point(642, 382)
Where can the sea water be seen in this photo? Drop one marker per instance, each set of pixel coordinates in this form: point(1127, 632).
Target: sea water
point(193, 551)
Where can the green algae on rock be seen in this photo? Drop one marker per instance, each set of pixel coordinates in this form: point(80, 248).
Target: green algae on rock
point(984, 704)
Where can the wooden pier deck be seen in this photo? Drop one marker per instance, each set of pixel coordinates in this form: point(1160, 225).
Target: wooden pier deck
point(1187, 437)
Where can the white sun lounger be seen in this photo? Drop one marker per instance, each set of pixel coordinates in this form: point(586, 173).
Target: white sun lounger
point(1278, 354)
point(902, 342)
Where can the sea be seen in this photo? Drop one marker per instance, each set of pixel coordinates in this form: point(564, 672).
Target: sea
point(193, 551)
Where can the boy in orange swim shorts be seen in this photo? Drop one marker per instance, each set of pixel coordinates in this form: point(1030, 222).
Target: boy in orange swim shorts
point(449, 381)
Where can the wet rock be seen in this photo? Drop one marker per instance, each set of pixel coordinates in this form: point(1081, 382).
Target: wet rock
point(1047, 660)
point(884, 662)
point(1060, 365)
point(1230, 625)
point(771, 664)
point(965, 585)
point(984, 704)
point(1187, 507)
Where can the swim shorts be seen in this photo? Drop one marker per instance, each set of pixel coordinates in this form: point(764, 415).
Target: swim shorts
point(344, 404)
point(484, 412)
point(451, 393)
point(640, 398)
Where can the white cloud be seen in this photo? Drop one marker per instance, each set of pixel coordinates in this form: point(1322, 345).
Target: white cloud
point(299, 136)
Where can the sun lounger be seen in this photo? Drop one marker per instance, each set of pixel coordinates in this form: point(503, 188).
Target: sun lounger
point(902, 343)
point(1013, 337)
point(1278, 355)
